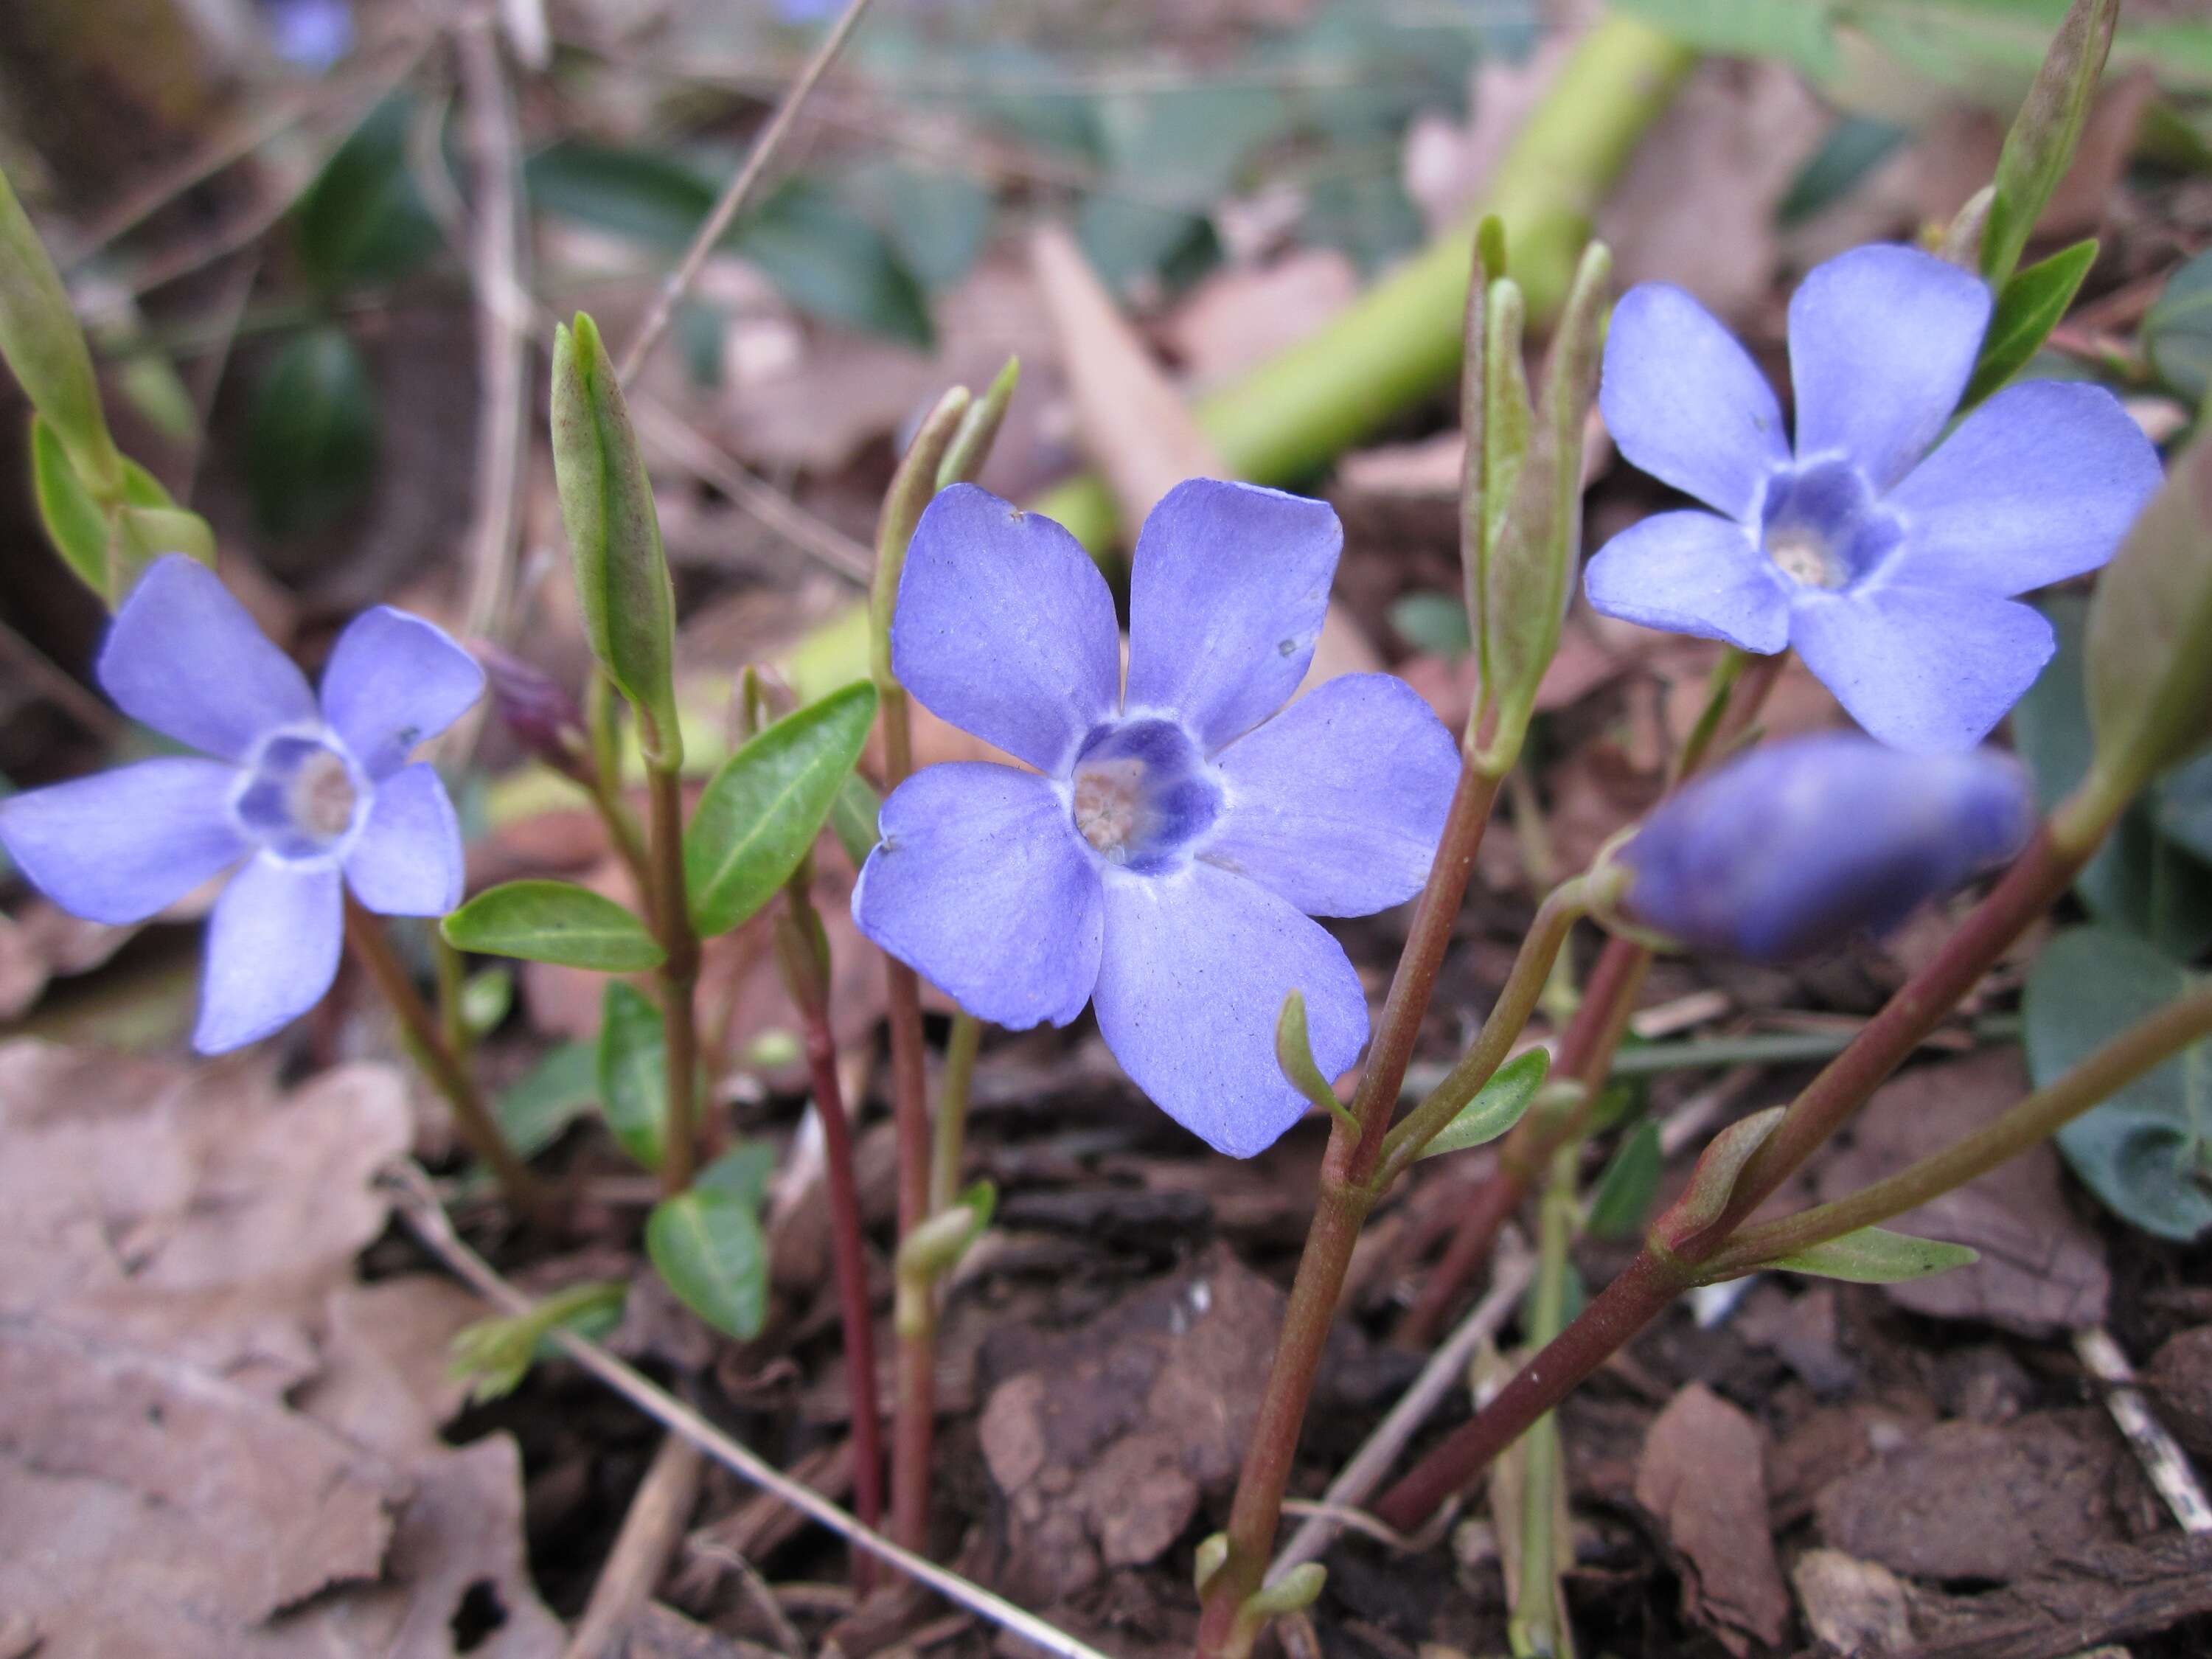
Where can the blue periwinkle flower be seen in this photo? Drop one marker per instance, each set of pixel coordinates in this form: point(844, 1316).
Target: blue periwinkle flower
point(300, 798)
point(1164, 858)
point(1889, 567)
point(1800, 843)
point(312, 34)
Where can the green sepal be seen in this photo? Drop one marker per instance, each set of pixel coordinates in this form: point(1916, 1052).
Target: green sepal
point(555, 921)
point(1496, 1107)
point(614, 537)
point(760, 813)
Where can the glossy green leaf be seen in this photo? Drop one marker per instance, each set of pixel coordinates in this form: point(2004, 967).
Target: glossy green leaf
point(1620, 1203)
point(2040, 144)
point(2029, 308)
point(2176, 331)
point(553, 1094)
point(313, 436)
point(45, 348)
point(623, 583)
point(708, 1244)
point(1496, 1107)
point(1874, 1255)
point(632, 1068)
point(760, 812)
point(744, 1171)
point(363, 220)
point(553, 921)
point(2146, 1152)
point(852, 818)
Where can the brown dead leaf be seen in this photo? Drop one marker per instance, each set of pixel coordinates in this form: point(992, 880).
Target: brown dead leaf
point(1701, 1479)
point(1853, 1607)
point(2179, 1380)
point(2041, 1269)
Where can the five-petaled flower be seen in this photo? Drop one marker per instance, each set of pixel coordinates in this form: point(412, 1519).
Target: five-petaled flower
point(301, 798)
point(1797, 845)
point(1162, 859)
point(1892, 574)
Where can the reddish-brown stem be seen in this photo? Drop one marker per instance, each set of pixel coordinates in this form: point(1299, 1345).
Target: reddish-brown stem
point(1341, 1209)
point(2029, 888)
point(850, 1260)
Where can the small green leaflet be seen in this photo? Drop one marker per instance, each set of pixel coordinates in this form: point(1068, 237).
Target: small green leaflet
point(708, 1244)
point(632, 1068)
point(1496, 1106)
point(1874, 1255)
point(744, 1171)
point(2028, 309)
point(761, 811)
point(554, 921)
point(557, 1092)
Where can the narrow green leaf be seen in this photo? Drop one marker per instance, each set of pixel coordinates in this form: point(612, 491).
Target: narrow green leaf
point(2040, 146)
point(2029, 308)
point(761, 811)
point(1621, 1202)
point(73, 520)
point(553, 921)
point(1496, 1107)
point(829, 261)
point(744, 1171)
point(632, 1068)
point(1799, 32)
point(553, 1094)
point(614, 537)
point(42, 344)
point(1874, 1255)
point(708, 1244)
point(852, 818)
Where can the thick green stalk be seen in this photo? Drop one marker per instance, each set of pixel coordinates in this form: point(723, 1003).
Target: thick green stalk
point(1399, 344)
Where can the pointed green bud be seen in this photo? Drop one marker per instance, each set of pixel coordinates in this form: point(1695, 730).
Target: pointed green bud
point(935, 1248)
point(2148, 651)
point(1213, 1556)
point(614, 538)
point(1294, 1054)
point(979, 429)
point(1713, 1180)
point(912, 488)
point(1294, 1592)
point(2045, 133)
point(43, 344)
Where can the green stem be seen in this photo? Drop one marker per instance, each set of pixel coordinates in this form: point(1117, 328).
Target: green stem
point(949, 1131)
point(1536, 1616)
point(679, 976)
point(2138, 1049)
point(1398, 344)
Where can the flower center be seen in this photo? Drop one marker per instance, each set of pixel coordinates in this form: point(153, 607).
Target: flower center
point(302, 797)
point(1144, 795)
point(1822, 527)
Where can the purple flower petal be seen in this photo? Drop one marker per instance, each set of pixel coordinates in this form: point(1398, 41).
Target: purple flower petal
point(1686, 403)
point(1336, 804)
point(1005, 629)
point(1227, 590)
point(981, 886)
point(2038, 484)
point(1881, 341)
point(120, 846)
point(393, 682)
point(1922, 668)
point(184, 658)
point(406, 860)
point(272, 951)
point(1195, 972)
point(1692, 573)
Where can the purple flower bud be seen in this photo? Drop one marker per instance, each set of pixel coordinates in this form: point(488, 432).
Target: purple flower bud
point(545, 719)
point(1799, 844)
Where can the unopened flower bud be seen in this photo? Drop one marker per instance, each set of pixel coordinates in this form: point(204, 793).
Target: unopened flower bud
point(1800, 844)
point(545, 719)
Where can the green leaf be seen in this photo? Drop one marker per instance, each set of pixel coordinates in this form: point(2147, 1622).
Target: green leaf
point(2143, 1151)
point(825, 258)
point(1874, 1255)
point(497, 1354)
point(1434, 622)
point(744, 1171)
point(640, 195)
point(2040, 145)
point(312, 437)
point(1855, 146)
point(2029, 308)
point(614, 537)
point(633, 1072)
point(487, 998)
point(852, 818)
point(362, 221)
point(43, 346)
point(1496, 1107)
point(708, 1244)
point(1799, 32)
point(1620, 1203)
point(2176, 331)
point(137, 536)
point(760, 812)
point(553, 1094)
point(553, 921)
point(937, 220)
point(73, 520)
